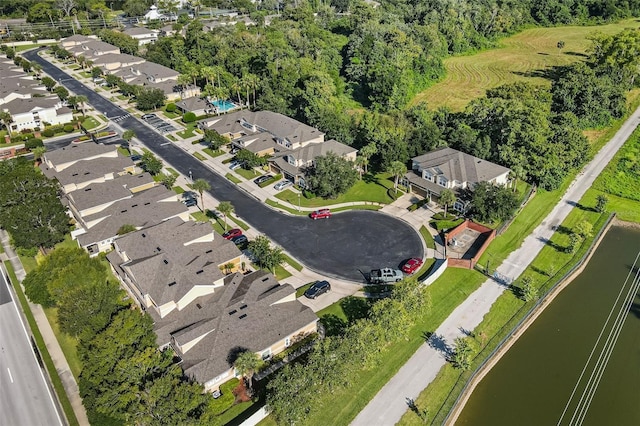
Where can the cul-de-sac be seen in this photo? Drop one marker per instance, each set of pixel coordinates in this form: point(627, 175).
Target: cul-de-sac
point(351, 212)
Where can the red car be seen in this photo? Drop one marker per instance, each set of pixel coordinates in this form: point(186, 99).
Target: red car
point(321, 214)
point(232, 233)
point(412, 265)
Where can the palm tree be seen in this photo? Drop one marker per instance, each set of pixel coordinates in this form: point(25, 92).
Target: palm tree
point(7, 119)
point(81, 100)
point(183, 81)
point(447, 197)
point(228, 267)
point(246, 364)
point(397, 169)
point(226, 208)
point(236, 86)
point(367, 152)
point(360, 162)
point(38, 153)
point(201, 185)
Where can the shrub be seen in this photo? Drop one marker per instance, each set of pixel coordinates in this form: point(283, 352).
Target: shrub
point(68, 128)
point(308, 194)
point(226, 400)
point(47, 133)
point(170, 107)
point(189, 117)
point(33, 143)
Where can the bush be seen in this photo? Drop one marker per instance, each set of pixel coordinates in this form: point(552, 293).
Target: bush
point(47, 133)
point(170, 107)
point(68, 128)
point(308, 194)
point(189, 117)
point(33, 143)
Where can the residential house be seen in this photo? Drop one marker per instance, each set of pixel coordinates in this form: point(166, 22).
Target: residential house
point(62, 158)
point(175, 272)
point(447, 168)
point(143, 35)
point(165, 267)
point(292, 144)
point(167, 31)
point(96, 232)
point(92, 49)
point(196, 105)
point(76, 40)
point(37, 112)
point(85, 172)
point(115, 61)
point(96, 197)
point(293, 163)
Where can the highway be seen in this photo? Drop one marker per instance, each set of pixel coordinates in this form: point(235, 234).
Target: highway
point(25, 398)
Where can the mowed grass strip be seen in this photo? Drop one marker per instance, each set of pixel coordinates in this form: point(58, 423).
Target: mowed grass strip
point(446, 293)
point(526, 56)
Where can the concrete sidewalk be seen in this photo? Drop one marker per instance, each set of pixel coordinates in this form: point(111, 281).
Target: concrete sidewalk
point(59, 360)
point(390, 404)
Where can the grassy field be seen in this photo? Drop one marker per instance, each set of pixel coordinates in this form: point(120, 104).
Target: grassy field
point(622, 175)
point(90, 123)
point(523, 57)
point(371, 188)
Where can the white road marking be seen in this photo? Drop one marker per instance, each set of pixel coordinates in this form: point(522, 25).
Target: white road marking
point(10, 376)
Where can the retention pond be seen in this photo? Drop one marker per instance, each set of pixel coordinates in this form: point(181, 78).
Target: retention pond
point(579, 362)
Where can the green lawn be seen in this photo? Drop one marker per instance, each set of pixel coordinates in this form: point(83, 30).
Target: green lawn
point(172, 171)
point(124, 151)
point(238, 222)
point(519, 58)
point(171, 137)
point(67, 343)
point(300, 290)
point(622, 176)
point(178, 189)
point(199, 156)
point(232, 178)
point(213, 154)
point(281, 273)
point(428, 238)
point(170, 115)
point(90, 123)
point(189, 132)
point(370, 188)
point(28, 47)
point(248, 174)
point(295, 265)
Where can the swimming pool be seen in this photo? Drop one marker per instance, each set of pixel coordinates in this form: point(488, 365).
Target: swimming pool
point(223, 106)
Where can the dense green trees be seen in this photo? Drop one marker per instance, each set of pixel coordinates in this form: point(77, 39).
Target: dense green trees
point(126, 43)
point(150, 163)
point(331, 175)
point(148, 98)
point(29, 206)
point(333, 362)
point(492, 203)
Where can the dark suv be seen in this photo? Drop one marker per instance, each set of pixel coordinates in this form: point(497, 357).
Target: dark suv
point(318, 288)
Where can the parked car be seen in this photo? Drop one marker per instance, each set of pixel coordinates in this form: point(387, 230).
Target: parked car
point(282, 185)
point(232, 233)
point(148, 116)
point(240, 239)
point(190, 202)
point(235, 165)
point(262, 179)
point(412, 265)
point(136, 157)
point(234, 150)
point(321, 214)
point(385, 276)
point(318, 288)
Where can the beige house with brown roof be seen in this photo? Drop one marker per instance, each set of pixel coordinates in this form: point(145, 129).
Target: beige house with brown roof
point(447, 168)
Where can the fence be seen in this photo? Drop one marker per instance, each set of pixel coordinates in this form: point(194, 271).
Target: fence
point(483, 230)
point(463, 385)
point(438, 269)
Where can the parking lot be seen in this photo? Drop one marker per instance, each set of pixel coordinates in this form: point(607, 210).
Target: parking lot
point(159, 124)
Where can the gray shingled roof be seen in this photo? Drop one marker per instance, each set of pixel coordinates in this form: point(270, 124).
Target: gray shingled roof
point(111, 58)
point(75, 152)
point(97, 194)
point(192, 104)
point(156, 70)
point(277, 124)
point(20, 105)
point(144, 209)
point(88, 170)
point(166, 264)
point(456, 165)
point(244, 313)
point(139, 31)
point(259, 142)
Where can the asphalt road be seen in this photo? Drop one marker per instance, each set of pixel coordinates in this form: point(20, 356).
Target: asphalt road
point(25, 398)
point(345, 246)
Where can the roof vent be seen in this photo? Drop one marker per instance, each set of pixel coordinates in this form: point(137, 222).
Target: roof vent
point(135, 205)
point(87, 189)
point(242, 316)
point(172, 283)
point(166, 262)
point(75, 174)
point(199, 272)
point(87, 173)
point(199, 306)
point(243, 307)
point(232, 312)
point(264, 279)
point(209, 251)
point(158, 248)
point(123, 211)
point(147, 203)
point(144, 235)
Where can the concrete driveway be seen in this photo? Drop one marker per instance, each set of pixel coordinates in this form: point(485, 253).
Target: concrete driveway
point(344, 246)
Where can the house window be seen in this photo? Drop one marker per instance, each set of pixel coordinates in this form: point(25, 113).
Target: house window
point(428, 176)
point(442, 181)
point(287, 341)
point(291, 160)
point(266, 355)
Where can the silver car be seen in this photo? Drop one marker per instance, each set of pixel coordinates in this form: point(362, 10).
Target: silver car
point(282, 185)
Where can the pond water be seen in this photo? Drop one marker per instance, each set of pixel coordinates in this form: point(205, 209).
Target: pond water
point(559, 372)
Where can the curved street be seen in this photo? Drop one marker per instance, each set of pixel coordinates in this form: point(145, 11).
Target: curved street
point(346, 246)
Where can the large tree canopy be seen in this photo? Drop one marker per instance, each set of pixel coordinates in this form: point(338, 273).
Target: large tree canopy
point(331, 175)
point(29, 206)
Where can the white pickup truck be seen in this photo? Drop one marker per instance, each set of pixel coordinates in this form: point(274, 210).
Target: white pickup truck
point(385, 275)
